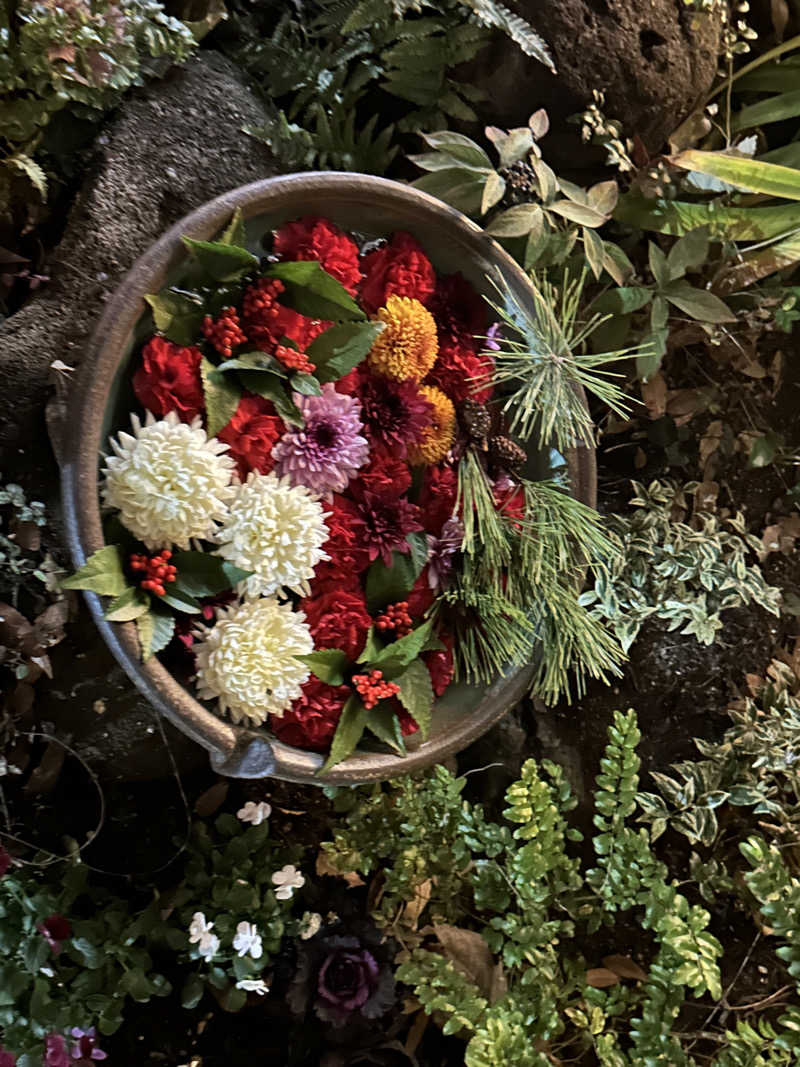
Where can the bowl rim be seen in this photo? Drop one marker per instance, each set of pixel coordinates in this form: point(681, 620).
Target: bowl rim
point(240, 751)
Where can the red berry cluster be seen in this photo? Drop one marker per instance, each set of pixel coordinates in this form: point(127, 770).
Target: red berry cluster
point(397, 618)
point(260, 302)
point(157, 571)
point(372, 687)
point(224, 333)
point(293, 359)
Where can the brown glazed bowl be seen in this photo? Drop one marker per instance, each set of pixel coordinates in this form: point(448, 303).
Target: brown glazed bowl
point(375, 207)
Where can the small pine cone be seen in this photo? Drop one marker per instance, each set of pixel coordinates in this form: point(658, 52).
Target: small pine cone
point(507, 454)
point(475, 420)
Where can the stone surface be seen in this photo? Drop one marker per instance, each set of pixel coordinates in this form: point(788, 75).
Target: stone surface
point(171, 147)
point(646, 54)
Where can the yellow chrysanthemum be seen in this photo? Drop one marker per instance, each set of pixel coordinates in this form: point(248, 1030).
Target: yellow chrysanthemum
point(437, 437)
point(407, 347)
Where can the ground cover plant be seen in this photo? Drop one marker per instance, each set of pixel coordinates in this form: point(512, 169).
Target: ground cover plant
point(611, 879)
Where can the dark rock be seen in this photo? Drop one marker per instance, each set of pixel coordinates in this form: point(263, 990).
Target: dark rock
point(170, 148)
point(651, 59)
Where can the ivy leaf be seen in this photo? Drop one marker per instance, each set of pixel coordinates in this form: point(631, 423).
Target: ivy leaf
point(416, 694)
point(129, 605)
point(177, 315)
point(348, 733)
point(305, 384)
point(102, 573)
point(221, 395)
point(267, 386)
point(222, 262)
point(203, 574)
point(312, 291)
point(341, 347)
point(384, 723)
point(254, 361)
point(328, 664)
point(234, 234)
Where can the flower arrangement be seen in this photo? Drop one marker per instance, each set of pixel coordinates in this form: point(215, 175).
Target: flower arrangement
point(321, 504)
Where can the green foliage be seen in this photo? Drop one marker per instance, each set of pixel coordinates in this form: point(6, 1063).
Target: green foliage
point(17, 564)
point(778, 895)
point(667, 569)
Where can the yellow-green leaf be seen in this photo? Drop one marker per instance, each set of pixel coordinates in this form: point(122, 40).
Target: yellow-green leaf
point(752, 175)
point(102, 573)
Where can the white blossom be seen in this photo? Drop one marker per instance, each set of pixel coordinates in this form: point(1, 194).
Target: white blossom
point(248, 939)
point(287, 879)
point(310, 924)
point(253, 985)
point(255, 813)
point(200, 935)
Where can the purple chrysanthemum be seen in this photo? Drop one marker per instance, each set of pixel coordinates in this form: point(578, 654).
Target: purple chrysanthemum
point(328, 451)
point(441, 551)
point(395, 413)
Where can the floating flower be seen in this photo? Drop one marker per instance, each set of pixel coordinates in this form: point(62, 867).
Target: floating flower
point(440, 665)
point(438, 437)
point(200, 935)
point(408, 724)
point(346, 547)
point(460, 373)
point(253, 985)
point(399, 267)
point(421, 596)
point(287, 879)
point(247, 661)
point(386, 475)
point(387, 520)
point(248, 940)
point(252, 434)
point(312, 719)
point(310, 924)
point(394, 413)
point(255, 813)
point(326, 452)
point(315, 238)
point(168, 480)
point(85, 1048)
point(338, 619)
point(55, 1051)
point(276, 530)
point(55, 929)
point(437, 498)
point(406, 348)
point(169, 380)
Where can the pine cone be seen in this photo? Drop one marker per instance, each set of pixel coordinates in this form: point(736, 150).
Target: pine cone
point(475, 421)
point(506, 454)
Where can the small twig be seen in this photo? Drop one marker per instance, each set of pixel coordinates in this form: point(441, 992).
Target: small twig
point(764, 1002)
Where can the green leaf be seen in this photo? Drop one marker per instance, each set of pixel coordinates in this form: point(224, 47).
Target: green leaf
point(386, 585)
point(493, 191)
point(580, 213)
point(222, 262)
point(328, 664)
point(254, 361)
point(192, 992)
point(395, 657)
point(177, 315)
point(221, 395)
point(129, 605)
point(163, 629)
point(384, 723)
point(764, 449)
point(773, 109)
point(372, 647)
point(416, 694)
point(234, 234)
point(594, 248)
point(348, 733)
point(752, 175)
point(460, 187)
point(340, 348)
point(517, 221)
point(688, 252)
point(658, 265)
point(91, 956)
point(305, 384)
point(623, 301)
point(313, 292)
point(203, 574)
point(102, 573)
point(145, 628)
point(271, 388)
point(418, 543)
point(459, 147)
point(35, 954)
point(726, 223)
point(179, 601)
point(699, 303)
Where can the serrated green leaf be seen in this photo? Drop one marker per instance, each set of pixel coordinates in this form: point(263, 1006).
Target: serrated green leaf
point(129, 605)
point(221, 395)
point(222, 262)
point(342, 347)
point(397, 656)
point(327, 664)
point(202, 574)
point(349, 732)
point(262, 362)
point(372, 647)
point(272, 388)
point(177, 315)
point(386, 585)
point(102, 573)
point(145, 628)
point(313, 292)
point(416, 694)
point(305, 384)
point(182, 602)
point(384, 723)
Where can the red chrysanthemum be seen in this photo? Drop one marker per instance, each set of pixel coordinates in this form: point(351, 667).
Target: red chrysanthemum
point(386, 475)
point(459, 311)
point(169, 379)
point(394, 414)
point(347, 544)
point(460, 373)
point(315, 238)
point(338, 619)
point(437, 498)
point(388, 520)
point(421, 596)
point(398, 268)
point(311, 721)
point(440, 665)
point(251, 435)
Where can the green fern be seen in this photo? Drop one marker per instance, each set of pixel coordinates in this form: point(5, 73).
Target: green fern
point(491, 13)
point(778, 895)
point(438, 986)
point(502, 1040)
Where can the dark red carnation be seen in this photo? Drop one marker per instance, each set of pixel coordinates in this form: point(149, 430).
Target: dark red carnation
point(312, 719)
point(315, 238)
point(460, 373)
point(351, 382)
point(509, 500)
point(251, 435)
point(459, 311)
point(285, 323)
point(169, 380)
point(55, 929)
point(394, 413)
point(338, 619)
point(386, 475)
point(421, 596)
point(437, 498)
point(408, 725)
point(440, 665)
point(388, 520)
point(398, 268)
point(346, 544)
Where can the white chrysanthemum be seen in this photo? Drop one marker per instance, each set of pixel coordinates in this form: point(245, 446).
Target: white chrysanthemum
point(247, 662)
point(169, 481)
point(276, 530)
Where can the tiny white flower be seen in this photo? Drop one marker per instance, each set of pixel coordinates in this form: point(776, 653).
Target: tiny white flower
point(287, 879)
point(208, 947)
point(248, 939)
point(310, 924)
point(200, 935)
point(254, 813)
point(253, 985)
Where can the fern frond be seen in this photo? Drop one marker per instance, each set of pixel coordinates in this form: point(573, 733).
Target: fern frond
point(497, 16)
